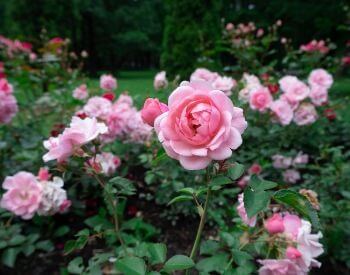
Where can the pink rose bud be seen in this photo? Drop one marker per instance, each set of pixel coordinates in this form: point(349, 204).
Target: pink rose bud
point(255, 169)
point(152, 109)
point(274, 224)
point(44, 174)
point(292, 253)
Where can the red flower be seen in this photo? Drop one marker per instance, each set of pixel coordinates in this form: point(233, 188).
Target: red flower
point(330, 114)
point(255, 169)
point(82, 115)
point(109, 95)
point(273, 88)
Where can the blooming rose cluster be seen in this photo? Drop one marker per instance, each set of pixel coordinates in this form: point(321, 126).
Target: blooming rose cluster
point(222, 83)
point(27, 194)
point(160, 81)
point(302, 245)
point(297, 101)
point(80, 92)
point(14, 46)
point(8, 102)
point(200, 125)
point(315, 46)
point(290, 165)
point(105, 163)
point(108, 83)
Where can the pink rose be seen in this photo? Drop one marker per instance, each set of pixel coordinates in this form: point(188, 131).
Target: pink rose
point(44, 174)
point(108, 162)
point(291, 176)
point(23, 195)
point(281, 162)
point(229, 26)
point(243, 213)
point(204, 74)
point(255, 169)
point(301, 158)
point(65, 206)
point(160, 81)
point(279, 267)
point(243, 181)
point(305, 114)
point(275, 224)
point(259, 33)
point(5, 86)
point(201, 125)
point(292, 253)
point(281, 111)
point(318, 95)
point(125, 99)
point(225, 84)
point(260, 99)
point(294, 89)
point(8, 107)
point(108, 82)
point(152, 109)
point(294, 104)
point(291, 223)
point(98, 107)
point(321, 78)
point(80, 92)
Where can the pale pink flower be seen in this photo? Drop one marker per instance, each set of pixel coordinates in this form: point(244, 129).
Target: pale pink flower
point(281, 162)
point(259, 33)
point(292, 253)
point(318, 95)
point(260, 99)
point(204, 74)
point(291, 176)
point(280, 267)
point(282, 111)
point(137, 130)
point(305, 114)
point(320, 77)
point(294, 89)
point(291, 223)
point(125, 99)
point(242, 212)
point(274, 224)
point(152, 108)
point(5, 87)
point(229, 26)
point(98, 107)
point(32, 57)
point(244, 94)
point(80, 92)
point(160, 81)
point(294, 104)
point(108, 82)
point(23, 195)
point(108, 162)
point(301, 159)
point(43, 174)
point(8, 107)
point(225, 84)
point(201, 125)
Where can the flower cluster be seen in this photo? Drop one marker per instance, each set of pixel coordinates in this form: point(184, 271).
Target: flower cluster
point(160, 81)
point(27, 194)
point(105, 163)
point(14, 46)
point(222, 83)
point(290, 165)
point(297, 101)
point(315, 46)
point(300, 249)
point(8, 102)
point(80, 92)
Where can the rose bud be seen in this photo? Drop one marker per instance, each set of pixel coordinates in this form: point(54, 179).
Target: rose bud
point(292, 253)
point(330, 114)
point(152, 109)
point(274, 224)
point(109, 95)
point(273, 88)
point(255, 169)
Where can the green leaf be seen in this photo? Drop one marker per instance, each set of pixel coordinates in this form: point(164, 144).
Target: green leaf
point(69, 246)
point(240, 257)
point(16, 240)
point(84, 232)
point(216, 263)
point(157, 253)
point(299, 203)
point(76, 266)
point(9, 256)
point(120, 186)
point(220, 180)
point(236, 171)
point(181, 198)
point(81, 242)
point(187, 190)
point(131, 266)
point(178, 262)
point(45, 245)
point(255, 201)
point(209, 247)
point(229, 239)
point(258, 184)
point(61, 231)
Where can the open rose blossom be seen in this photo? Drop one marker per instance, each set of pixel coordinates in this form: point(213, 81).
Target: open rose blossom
point(294, 89)
point(319, 95)
point(80, 132)
point(275, 224)
point(108, 82)
point(5, 86)
point(98, 107)
point(80, 92)
point(291, 223)
point(201, 125)
point(108, 163)
point(281, 162)
point(160, 81)
point(204, 75)
point(225, 84)
point(23, 195)
point(260, 99)
point(243, 213)
point(291, 176)
point(305, 114)
point(282, 111)
point(152, 109)
point(8, 107)
point(279, 267)
point(321, 78)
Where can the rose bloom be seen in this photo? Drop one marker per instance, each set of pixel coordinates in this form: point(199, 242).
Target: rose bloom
point(281, 111)
point(225, 84)
point(80, 132)
point(160, 81)
point(98, 107)
point(152, 109)
point(260, 99)
point(8, 107)
point(279, 267)
point(301, 159)
point(292, 253)
point(345, 60)
point(108, 82)
point(255, 169)
point(291, 223)
point(23, 195)
point(294, 89)
point(275, 224)
point(281, 162)
point(319, 95)
point(108, 162)
point(229, 26)
point(204, 74)
point(80, 92)
point(125, 99)
point(201, 125)
point(5, 87)
point(243, 213)
point(259, 33)
point(305, 114)
point(291, 176)
point(321, 78)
